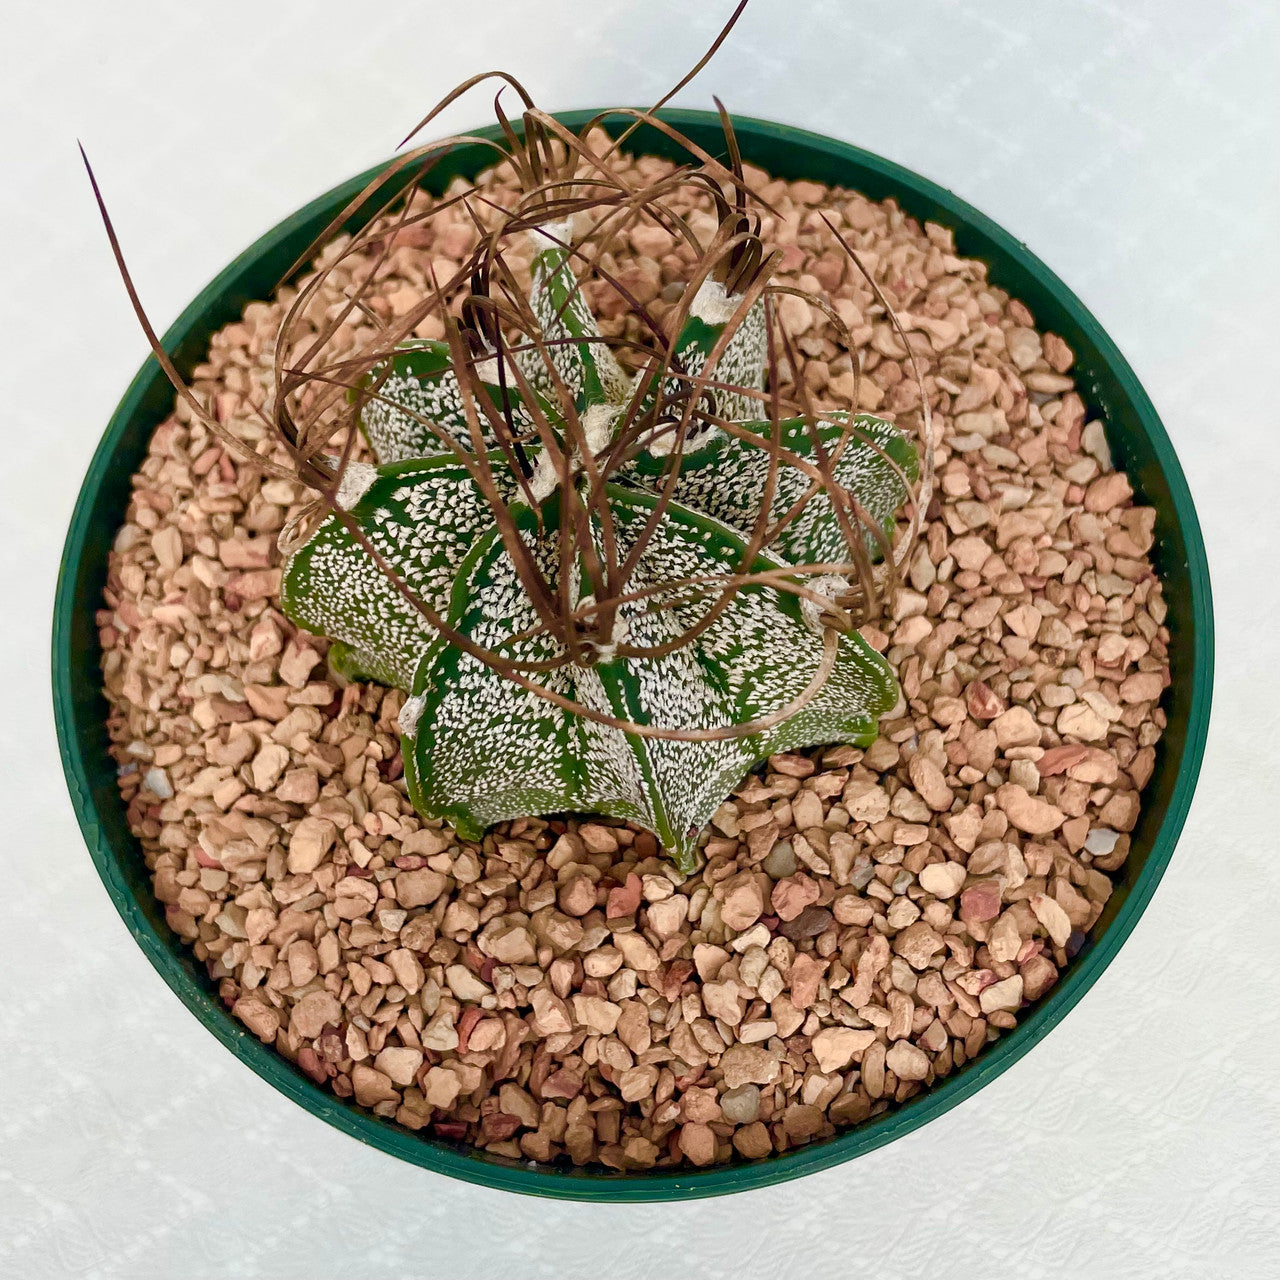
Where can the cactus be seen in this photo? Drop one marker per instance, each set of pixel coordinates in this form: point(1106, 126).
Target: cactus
point(478, 746)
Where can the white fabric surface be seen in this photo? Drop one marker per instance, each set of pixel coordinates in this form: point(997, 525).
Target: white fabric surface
point(1132, 144)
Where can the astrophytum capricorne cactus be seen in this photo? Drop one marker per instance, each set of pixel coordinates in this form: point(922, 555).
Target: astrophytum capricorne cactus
point(479, 747)
point(602, 591)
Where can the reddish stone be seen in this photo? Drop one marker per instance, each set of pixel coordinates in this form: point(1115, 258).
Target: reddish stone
point(625, 899)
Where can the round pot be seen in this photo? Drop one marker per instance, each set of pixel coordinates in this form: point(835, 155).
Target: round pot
point(1104, 379)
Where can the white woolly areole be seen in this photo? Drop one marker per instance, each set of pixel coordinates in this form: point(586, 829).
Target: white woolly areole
point(827, 585)
point(620, 631)
point(355, 483)
point(597, 425)
point(410, 714)
point(712, 305)
point(552, 235)
point(487, 371)
point(545, 479)
point(597, 430)
point(662, 443)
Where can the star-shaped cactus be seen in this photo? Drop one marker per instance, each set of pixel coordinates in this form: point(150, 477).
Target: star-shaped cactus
point(601, 591)
point(641, 722)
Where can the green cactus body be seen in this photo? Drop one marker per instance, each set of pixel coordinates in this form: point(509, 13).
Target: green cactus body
point(479, 748)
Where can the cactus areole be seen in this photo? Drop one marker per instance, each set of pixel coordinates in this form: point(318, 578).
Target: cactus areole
point(602, 591)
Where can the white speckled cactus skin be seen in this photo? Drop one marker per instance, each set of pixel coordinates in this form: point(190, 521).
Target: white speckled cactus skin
point(479, 748)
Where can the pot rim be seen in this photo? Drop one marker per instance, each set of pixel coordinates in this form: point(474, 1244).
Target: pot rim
point(79, 588)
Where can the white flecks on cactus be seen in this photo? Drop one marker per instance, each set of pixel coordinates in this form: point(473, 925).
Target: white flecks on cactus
point(578, 355)
point(423, 518)
point(520, 751)
point(741, 364)
point(420, 391)
point(727, 477)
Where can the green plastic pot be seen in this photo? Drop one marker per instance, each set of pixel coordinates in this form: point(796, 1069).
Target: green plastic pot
point(1112, 392)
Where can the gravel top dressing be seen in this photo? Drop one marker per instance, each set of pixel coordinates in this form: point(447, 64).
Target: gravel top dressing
point(864, 922)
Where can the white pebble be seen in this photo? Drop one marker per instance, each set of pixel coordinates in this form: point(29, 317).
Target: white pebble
point(1101, 840)
point(157, 782)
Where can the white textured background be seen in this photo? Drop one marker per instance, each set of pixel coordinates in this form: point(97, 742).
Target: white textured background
point(1133, 145)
